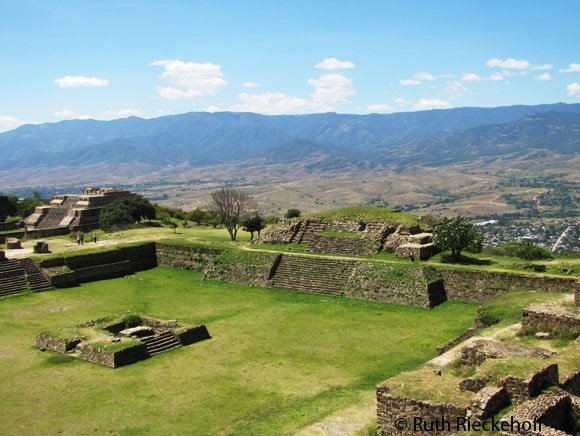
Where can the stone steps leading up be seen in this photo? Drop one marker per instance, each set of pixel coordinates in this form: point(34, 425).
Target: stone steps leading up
point(37, 281)
point(321, 276)
point(53, 218)
point(161, 343)
point(22, 275)
point(12, 278)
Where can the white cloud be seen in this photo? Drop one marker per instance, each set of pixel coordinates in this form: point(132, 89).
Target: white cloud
point(424, 75)
point(495, 77)
point(251, 85)
point(455, 89)
point(213, 109)
point(545, 76)
point(574, 89)
point(424, 104)
point(330, 89)
point(334, 64)
point(66, 114)
point(80, 82)
point(509, 63)
point(379, 108)
point(124, 113)
point(8, 122)
point(573, 68)
point(272, 103)
point(189, 79)
point(402, 102)
point(542, 67)
point(470, 77)
point(433, 103)
point(410, 82)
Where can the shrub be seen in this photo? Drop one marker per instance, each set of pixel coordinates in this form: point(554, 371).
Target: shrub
point(292, 213)
point(526, 250)
point(132, 320)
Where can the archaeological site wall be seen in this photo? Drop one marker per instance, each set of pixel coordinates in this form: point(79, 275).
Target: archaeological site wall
point(481, 286)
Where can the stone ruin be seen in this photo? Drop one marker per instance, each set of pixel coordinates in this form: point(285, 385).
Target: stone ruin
point(363, 239)
point(543, 402)
point(75, 212)
point(13, 244)
point(121, 342)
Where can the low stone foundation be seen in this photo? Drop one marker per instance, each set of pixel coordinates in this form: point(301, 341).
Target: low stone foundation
point(404, 416)
point(113, 359)
point(551, 318)
point(44, 341)
point(521, 390)
point(554, 411)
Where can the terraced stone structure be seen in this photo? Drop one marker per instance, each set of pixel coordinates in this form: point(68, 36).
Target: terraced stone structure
point(121, 342)
point(74, 212)
point(21, 275)
point(360, 238)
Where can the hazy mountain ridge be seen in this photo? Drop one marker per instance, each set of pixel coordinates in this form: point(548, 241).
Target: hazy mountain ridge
point(200, 139)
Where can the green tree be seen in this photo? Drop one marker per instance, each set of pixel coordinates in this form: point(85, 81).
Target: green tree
point(292, 213)
point(457, 234)
point(7, 207)
point(167, 221)
point(197, 216)
point(253, 223)
point(115, 216)
point(139, 208)
point(26, 206)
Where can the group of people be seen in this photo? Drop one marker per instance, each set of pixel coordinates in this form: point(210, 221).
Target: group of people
point(81, 238)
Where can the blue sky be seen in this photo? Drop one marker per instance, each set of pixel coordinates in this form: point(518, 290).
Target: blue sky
point(109, 59)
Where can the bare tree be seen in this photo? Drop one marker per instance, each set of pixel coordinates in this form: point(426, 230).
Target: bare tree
point(230, 205)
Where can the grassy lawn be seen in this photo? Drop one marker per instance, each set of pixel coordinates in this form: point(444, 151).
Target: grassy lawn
point(278, 360)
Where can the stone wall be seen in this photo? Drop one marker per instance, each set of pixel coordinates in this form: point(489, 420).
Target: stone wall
point(399, 284)
point(192, 335)
point(113, 359)
point(194, 258)
point(343, 246)
point(572, 383)
point(488, 401)
point(551, 318)
point(116, 262)
point(396, 416)
point(45, 341)
point(102, 272)
point(6, 227)
point(481, 286)
point(521, 390)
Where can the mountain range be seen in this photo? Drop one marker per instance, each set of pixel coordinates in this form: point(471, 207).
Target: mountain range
point(269, 152)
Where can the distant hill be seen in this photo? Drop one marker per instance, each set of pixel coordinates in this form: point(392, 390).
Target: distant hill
point(201, 139)
point(531, 137)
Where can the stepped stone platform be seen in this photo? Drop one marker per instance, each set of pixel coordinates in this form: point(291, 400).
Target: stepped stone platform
point(74, 212)
point(367, 238)
point(115, 344)
point(21, 275)
point(317, 275)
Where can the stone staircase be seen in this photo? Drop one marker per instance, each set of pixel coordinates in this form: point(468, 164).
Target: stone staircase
point(53, 218)
point(37, 281)
point(17, 276)
point(316, 275)
point(12, 278)
point(159, 343)
point(311, 229)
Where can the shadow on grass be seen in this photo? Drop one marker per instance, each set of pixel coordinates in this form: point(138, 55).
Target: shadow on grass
point(59, 358)
point(465, 260)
